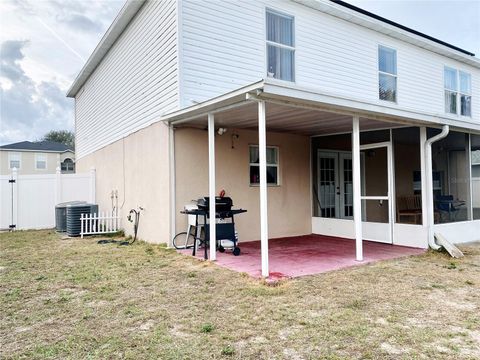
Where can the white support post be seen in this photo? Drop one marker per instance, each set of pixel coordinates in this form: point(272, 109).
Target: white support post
point(15, 200)
point(171, 137)
point(468, 173)
point(211, 186)
point(357, 202)
point(58, 186)
point(92, 185)
point(262, 151)
point(423, 175)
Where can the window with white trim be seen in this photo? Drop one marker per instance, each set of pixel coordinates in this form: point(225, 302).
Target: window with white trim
point(40, 161)
point(272, 165)
point(387, 73)
point(67, 165)
point(458, 92)
point(14, 160)
point(465, 94)
point(280, 46)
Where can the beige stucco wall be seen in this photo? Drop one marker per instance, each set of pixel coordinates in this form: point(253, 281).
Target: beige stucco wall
point(289, 205)
point(138, 168)
point(27, 165)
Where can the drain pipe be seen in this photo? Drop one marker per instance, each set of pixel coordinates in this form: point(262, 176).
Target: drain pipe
point(429, 180)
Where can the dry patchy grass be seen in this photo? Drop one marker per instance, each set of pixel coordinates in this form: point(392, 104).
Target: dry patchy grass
point(77, 299)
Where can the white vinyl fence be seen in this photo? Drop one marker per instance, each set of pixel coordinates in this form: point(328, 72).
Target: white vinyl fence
point(28, 201)
point(102, 223)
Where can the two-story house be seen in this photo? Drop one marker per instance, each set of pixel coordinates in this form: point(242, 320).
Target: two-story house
point(34, 158)
point(316, 116)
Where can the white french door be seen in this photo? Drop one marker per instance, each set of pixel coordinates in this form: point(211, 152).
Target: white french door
point(335, 186)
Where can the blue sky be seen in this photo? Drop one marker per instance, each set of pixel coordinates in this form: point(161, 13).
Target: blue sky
point(44, 44)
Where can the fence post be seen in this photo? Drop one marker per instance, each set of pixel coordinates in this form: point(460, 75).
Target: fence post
point(81, 225)
point(92, 185)
point(58, 186)
point(14, 224)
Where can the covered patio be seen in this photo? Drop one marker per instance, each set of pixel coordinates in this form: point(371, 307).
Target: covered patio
point(297, 256)
point(339, 177)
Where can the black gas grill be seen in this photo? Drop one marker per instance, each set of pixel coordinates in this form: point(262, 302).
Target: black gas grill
point(222, 204)
point(225, 230)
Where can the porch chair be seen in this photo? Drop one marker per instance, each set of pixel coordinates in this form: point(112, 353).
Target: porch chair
point(409, 207)
point(446, 205)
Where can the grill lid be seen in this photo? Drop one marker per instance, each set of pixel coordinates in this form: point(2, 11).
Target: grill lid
point(221, 203)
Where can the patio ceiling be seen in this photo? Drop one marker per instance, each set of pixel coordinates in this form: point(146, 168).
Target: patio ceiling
point(284, 118)
point(304, 111)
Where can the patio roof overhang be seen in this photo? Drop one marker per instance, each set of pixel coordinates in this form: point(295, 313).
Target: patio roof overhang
point(305, 111)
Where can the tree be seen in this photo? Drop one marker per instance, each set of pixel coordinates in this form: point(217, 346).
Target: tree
point(61, 136)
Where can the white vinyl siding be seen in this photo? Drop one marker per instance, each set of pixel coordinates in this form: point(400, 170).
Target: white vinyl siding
point(40, 161)
point(224, 49)
point(14, 160)
point(135, 84)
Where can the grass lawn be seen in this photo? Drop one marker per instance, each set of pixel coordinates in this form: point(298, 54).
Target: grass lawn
point(77, 299)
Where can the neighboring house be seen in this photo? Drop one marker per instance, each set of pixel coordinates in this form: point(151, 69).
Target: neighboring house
point(322, 105)
point(41, 157)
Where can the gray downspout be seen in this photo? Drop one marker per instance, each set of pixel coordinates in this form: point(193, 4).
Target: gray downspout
point(429, 180)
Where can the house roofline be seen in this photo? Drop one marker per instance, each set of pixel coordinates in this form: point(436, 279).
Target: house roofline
point(400, 26)
point(121, 22)
point(356, 15)
point(36, 151)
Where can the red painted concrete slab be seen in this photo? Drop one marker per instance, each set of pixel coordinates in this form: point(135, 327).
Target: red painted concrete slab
point(307, 255)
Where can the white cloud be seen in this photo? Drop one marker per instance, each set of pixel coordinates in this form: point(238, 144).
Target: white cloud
point(44, 45)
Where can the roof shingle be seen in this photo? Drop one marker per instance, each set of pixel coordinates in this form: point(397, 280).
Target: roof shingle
point(36, 146)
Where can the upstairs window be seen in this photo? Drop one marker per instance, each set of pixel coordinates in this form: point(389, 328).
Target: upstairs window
point(272, 165)
point(40, 161)
point(451, 88)
point(465, 94)
point(387, 74)
point(458, 92)
point(280, 46)
point(14, 160)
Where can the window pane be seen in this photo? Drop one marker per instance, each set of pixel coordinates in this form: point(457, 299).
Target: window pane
point(450, 79)
point(450, 102)
point(14, 164)
point(280, 28)
point(466, 105)
point(271, 155)
point(387, 60)
point(254, 159)
point(387, 87)
point(41, 165)
point(272, 175)
point(254, 174)
point(280, 63)
point(465, 83)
